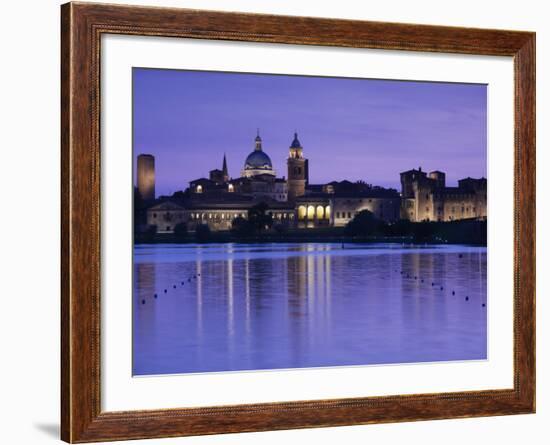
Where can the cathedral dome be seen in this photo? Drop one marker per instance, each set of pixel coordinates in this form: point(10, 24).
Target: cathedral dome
point(257, 162)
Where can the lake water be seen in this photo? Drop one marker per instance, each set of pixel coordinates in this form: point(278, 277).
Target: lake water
point(231, 307)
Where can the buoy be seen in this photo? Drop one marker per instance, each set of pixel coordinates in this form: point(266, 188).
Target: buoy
point(182, 283)
point(441, 287)
point(155, 295)
point(165, 290)
point(433, 284)
point(483, 305)
point(142, 301)
point(460, 255)
point(174, 286)
point(453, 292)
point(467, 298)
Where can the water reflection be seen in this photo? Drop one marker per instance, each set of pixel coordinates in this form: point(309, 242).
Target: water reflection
point(305, 305)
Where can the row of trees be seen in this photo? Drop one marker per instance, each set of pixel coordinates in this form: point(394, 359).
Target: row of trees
point(365, 224)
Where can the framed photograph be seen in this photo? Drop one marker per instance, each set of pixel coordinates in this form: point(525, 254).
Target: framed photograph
point(274, 222)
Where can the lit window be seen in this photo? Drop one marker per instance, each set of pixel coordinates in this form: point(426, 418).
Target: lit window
point(199, 188)
point(320, 213)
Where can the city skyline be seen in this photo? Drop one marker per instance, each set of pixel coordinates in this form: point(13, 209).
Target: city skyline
point(355, 129)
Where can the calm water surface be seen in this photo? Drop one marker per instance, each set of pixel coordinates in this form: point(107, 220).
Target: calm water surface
point(270, 306)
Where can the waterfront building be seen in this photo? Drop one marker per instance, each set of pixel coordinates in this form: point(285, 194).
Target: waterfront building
point(219, 199)
point(425, 197)
point(165, 216)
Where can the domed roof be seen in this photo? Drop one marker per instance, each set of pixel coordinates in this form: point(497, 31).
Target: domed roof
point(258, 160)
point(295, 142)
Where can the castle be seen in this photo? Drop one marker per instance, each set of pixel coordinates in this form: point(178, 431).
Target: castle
point(295, 202)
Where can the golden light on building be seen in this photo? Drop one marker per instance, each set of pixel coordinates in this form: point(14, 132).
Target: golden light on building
point(320, 212)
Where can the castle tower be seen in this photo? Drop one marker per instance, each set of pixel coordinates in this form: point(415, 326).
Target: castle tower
point(297, 170)
point(146, 176)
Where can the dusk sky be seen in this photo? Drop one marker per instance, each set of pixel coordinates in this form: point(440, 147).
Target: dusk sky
point(349, 128)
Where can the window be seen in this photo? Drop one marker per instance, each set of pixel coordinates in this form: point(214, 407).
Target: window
point(349, 214)
point(154, 215)
point(320, 213)
point(167, 228)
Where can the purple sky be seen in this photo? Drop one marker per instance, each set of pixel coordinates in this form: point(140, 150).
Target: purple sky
point(349, 128)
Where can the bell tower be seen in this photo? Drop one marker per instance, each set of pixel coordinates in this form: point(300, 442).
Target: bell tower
point(297, 170)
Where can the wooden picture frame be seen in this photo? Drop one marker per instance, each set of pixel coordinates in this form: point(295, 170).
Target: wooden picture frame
point(82, 25)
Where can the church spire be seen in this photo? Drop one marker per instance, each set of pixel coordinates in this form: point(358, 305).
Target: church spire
point(224, 169)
